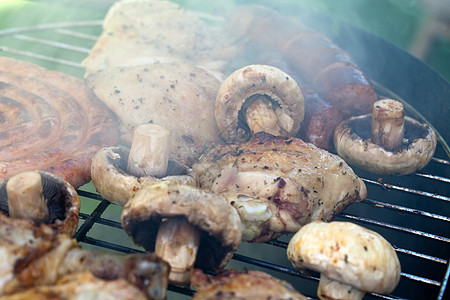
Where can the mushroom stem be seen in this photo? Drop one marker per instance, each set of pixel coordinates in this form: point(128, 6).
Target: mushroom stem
point(149, 152)
point(260, 115)
point(388, 124)
point(177, 243)
point(26, 197)
point(332, 289)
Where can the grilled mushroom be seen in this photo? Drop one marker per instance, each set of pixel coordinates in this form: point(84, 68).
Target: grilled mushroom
point(117, 173)
point(352, 260)
point(386, 141)
point(266, 97)
point(42, 197)
point(183, 225)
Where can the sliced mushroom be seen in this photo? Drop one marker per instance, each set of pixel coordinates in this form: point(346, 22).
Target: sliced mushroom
point(352, 260)
point(117, 172)
point(42, 197)
point(267, 98)
point(183, 225)
point(386, 141)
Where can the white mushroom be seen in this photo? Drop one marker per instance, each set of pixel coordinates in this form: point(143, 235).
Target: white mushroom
point(42, 197)
point(117, 172)
point(183, 225)
point(266, 98)
point(352, 260)
point(386, 141)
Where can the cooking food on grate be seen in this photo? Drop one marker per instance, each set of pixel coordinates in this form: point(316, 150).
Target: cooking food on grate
point(156, 32)
point(38, 255)
point(178, 96)
point(110, 169)
point(278, 184)
point(267, 98)
point(321, 119)
point(183, 225)
point(82, 286)
point(386, 141)
point(352, 260)
point(50, 121)
point(320, 62)
point(42, 197)
point(235, 284)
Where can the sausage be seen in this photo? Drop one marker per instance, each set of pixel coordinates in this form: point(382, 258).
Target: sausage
point(321, 119)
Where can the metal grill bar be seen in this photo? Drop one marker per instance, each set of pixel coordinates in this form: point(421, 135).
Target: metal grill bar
point(405, 189)
point(59, 45)
point(381, 204)
point(41, 57)
point(398, 228)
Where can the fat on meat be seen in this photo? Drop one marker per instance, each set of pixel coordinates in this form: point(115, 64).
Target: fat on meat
point(278, 184)
point(176, 95)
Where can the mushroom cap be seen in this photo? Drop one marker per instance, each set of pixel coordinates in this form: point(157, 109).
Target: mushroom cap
point(62, 200)
point(256, 80)
point(113, 183)
point(213, 215)
point(347, 253)
point(352, 142)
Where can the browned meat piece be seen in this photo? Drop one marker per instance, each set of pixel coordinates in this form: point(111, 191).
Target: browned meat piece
point(82, 286)
point(156, 32)
point(320, 120)
point(33, 255)
point(178, 96)
point(51, 122)
point(234, 284)
point(278, 184)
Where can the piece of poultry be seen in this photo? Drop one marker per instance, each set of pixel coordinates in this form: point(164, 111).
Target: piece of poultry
point(177, 95)
point(156, 31)
point(82, 286)
point(278, 184)
point(33, 256)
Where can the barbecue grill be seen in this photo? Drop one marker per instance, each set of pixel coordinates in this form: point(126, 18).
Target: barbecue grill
point(412, 212)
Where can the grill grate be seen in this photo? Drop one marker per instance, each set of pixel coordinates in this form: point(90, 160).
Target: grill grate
point(412, 212)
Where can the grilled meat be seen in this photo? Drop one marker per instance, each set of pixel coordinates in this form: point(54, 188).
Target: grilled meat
point(178, 96)
point(50, 121)
point(234, 284)
point(33, 255)
point(82, 286)
point(278, 184)
point(155, 32)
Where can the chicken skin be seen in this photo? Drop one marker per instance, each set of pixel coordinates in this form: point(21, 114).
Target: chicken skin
point(278, 184)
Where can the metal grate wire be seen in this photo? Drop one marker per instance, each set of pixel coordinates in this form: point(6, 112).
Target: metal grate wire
point(424, 196)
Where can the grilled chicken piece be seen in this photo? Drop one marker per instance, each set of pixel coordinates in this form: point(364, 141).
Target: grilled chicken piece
point(178, 96)
point(155, 32)
point(82, 286)
point(234, 284)
point(278, 184)
point(33, 255)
